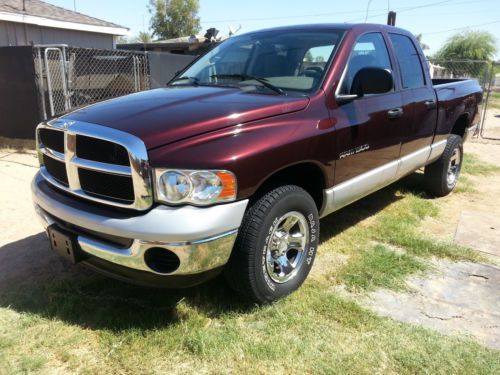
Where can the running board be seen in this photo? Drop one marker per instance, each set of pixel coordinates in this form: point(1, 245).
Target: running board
point(360, 186)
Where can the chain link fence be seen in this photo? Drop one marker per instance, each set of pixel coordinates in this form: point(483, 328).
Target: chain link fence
point(491, 118)
point(484, 73)
point(71, 77)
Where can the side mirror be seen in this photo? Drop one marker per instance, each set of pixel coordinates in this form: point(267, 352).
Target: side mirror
point(368, 81)
point(372, 81)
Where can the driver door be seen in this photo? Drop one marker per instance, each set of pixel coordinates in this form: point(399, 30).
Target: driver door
point(369, 129)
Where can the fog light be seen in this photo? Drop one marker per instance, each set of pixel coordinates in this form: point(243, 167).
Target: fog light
point(161, 260)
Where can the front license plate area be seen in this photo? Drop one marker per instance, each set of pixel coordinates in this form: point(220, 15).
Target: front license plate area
point(64, 244)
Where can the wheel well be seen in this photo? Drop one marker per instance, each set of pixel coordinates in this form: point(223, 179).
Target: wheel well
point(460, 125)
point(306, 175)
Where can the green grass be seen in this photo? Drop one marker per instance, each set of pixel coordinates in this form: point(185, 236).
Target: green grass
point(210, 330)
point(85, 323)
point(472, 166)
point(475, 167)
point(465, 185)
point(398, 226)
point(494, 100)
point(379, 268)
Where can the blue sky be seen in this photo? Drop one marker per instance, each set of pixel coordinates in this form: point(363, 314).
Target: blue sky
point(436, 19)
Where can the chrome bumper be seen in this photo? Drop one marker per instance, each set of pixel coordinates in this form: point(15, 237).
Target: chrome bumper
point(202, 238)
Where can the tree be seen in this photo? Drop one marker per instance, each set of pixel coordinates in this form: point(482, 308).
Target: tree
point(422, 44)
point(174, 18)
point(142, 37)
point(469, 45)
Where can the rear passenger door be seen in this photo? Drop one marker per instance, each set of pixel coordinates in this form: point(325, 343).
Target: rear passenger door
point(419, 99)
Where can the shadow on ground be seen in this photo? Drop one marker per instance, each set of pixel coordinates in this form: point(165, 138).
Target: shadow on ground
point(349, 216)
point(36, 281)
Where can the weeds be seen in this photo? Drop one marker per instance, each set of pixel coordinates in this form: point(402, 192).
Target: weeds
point(380, 268)
point(475, 167)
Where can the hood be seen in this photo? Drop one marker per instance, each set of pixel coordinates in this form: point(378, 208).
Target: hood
point(167, 115)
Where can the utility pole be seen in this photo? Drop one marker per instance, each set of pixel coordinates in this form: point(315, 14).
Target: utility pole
point(74, 5)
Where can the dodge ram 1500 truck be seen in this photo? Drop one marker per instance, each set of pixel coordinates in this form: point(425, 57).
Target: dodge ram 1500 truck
point(231, 166)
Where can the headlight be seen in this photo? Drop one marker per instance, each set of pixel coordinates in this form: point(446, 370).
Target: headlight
point(194, 187)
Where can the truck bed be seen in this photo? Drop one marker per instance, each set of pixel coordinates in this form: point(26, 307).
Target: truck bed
point(445, 81)
point(455, 97)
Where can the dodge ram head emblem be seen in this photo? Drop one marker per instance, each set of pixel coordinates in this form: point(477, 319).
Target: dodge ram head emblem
point(67, 124)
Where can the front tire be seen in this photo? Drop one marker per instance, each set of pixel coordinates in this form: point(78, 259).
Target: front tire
point(441, 176)
point(276, 245)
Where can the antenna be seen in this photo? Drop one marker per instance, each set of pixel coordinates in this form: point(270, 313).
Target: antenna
point(367, 9)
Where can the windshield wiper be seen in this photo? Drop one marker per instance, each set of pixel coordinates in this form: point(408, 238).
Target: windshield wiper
point(193, 80)
point(245, 77)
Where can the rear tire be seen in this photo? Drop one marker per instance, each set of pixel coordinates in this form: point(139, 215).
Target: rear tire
point(441, 176)
point(276, 245)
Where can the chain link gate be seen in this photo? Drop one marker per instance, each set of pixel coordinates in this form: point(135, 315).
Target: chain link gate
point(71, 77)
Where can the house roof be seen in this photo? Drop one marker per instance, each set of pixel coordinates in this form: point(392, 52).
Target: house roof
point(40, 13)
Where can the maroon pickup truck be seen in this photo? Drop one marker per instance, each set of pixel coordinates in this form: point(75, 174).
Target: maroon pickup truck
point(232, 165)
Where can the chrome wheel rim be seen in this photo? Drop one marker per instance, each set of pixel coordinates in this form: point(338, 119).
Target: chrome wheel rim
point(454, 167)
point(286, 247)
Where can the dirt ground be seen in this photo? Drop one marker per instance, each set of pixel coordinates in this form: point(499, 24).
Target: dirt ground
point(486, 199)
point(492, 121)
point(22, 241)
point(458, 297)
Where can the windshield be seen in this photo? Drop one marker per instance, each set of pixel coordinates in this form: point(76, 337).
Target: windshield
point(270, 62)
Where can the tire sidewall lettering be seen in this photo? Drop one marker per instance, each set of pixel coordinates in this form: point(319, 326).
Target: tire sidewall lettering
point(310, 251)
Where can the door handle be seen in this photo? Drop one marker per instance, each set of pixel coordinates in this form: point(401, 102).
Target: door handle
point(430, 104)
point(395, 113)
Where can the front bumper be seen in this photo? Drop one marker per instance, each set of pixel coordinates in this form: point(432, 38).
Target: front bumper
point(201, 238)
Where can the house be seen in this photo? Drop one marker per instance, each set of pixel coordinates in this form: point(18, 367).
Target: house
point(27, 22)
point(187, 45)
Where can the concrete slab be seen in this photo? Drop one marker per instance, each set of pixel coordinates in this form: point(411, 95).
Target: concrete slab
point(479, 231)
point(458, 298)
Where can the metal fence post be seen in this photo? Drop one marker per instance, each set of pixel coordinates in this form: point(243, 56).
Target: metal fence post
point(41, 88)
point(492, 79)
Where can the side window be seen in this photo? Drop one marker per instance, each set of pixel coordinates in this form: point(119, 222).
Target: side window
point(412, 73)
point(369, 51)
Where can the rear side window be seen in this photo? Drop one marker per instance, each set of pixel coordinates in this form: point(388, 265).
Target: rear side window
point(412, 73)
point(369, 51)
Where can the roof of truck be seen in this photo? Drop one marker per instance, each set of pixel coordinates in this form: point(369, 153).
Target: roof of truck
point(334, 26)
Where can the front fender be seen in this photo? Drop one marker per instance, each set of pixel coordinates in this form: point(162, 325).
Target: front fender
point(256, 150)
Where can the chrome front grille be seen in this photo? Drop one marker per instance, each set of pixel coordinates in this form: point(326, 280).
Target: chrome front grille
point(96, 163)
